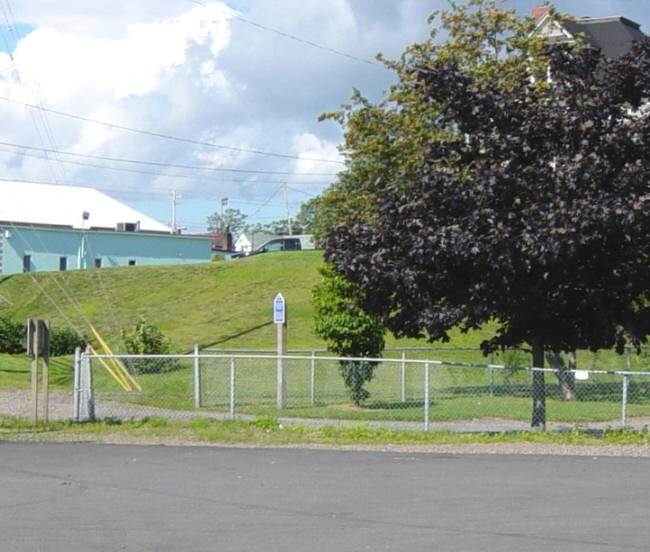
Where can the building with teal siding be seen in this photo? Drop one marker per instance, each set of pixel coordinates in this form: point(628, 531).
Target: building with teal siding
point(55, 228)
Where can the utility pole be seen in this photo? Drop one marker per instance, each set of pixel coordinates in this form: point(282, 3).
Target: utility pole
point(224, 202)
point(286, 206)
point(175, 197)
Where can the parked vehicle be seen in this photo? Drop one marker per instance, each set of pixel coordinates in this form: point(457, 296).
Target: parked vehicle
point(282, 243)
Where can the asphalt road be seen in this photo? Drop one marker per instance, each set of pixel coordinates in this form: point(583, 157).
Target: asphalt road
point(80, 497)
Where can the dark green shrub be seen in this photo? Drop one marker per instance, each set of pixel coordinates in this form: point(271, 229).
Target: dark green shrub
point(146, 339)
point(347, 329)
point(63, 341)
point(12, 336)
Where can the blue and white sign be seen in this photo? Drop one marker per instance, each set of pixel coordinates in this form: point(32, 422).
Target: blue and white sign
point(279, 310)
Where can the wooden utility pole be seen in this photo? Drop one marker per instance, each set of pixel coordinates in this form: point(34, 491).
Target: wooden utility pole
point(38, 346)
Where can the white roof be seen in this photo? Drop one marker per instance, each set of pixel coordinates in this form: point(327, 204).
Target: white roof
point(30, 203)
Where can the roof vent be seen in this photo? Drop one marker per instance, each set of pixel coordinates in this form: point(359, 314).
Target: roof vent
point(126, 227)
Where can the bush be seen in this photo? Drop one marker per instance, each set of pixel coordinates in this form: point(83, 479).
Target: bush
point(63, 341)
point(347, 329)
point(12, 336)
point(147, 339)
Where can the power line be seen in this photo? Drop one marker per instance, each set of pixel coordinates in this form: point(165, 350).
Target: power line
point(290, 36)
point(151, 173)
point(166, 136)
point(159, 164)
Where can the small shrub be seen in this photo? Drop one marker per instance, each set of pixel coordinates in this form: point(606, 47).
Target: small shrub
point(146, 339)
point(12, 336)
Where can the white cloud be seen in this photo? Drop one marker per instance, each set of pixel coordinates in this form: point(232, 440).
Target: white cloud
point(177, 68)
point(309, 147)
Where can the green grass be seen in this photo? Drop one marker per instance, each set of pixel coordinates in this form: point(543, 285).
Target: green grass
point(15, 372)
point(228, 305)
point(455, 393)
point(268, 432)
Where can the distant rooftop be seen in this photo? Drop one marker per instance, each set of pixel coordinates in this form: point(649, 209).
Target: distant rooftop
point(612, 35)
point(50, 205)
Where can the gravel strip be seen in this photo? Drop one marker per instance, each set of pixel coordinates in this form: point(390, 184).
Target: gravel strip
point(528, 449)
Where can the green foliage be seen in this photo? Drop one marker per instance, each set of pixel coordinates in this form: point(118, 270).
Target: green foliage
point(232, 220)
point(12, 336)
point(348, 331)
point(146, 339)
point(63, 341)
point(386, 141)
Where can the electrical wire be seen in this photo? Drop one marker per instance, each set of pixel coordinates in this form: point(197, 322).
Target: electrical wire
point(157, 163)
point(234, 15)
point(164, 135)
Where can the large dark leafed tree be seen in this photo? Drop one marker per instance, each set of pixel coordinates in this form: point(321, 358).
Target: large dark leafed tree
point(529, 204)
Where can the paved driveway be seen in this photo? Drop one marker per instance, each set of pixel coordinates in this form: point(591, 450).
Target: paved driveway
point(79, 497)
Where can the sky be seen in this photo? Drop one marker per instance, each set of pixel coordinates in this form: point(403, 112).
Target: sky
point(201, 71)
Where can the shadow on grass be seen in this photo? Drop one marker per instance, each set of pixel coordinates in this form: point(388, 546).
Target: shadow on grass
point(238, 334)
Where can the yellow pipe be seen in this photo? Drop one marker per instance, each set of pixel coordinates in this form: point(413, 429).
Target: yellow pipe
point(117, 377)
point(119, 366)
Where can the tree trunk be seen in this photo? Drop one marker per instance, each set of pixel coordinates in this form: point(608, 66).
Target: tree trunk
point(565, 377)
point(538, 389)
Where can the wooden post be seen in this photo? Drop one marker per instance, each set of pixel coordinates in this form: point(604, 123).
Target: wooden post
point(32, 349)
point(38, 345)
point(45, 344)
point(280, 320)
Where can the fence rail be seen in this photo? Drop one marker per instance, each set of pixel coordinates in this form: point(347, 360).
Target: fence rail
point(403, 392)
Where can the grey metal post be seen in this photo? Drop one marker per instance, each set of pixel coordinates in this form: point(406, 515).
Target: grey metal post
point(491, 373)
point(87, 400)
point(197, 378)
point(626, 381)
point(76, 389)
point(232, 388)
point(403, 377)
point(281, 376)
point(312, 379)
point(426, 397)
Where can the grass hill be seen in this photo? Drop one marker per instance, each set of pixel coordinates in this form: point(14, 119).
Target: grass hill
point(225, 304)
point(222, 304)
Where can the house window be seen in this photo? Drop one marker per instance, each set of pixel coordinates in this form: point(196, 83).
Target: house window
point(63, 263)
point(132, 262)
point(27, 263)
point(98, 263)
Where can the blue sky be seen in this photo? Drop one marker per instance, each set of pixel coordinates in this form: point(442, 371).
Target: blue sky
point(10, 39)
point(179, 68)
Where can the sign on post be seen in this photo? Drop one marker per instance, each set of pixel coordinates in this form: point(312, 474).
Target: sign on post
point(279, 310)
point(280, 321)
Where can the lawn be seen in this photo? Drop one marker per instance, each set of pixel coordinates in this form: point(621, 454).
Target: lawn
point(227, 305)
point(456, 393)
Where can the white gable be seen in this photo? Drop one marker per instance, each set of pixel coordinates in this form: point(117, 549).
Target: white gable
point(27, 203)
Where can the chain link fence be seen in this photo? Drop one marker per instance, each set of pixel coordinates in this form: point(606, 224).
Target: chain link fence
point(404, 392)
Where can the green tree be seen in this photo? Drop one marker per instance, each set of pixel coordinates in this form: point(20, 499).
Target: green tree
point(232, 220)
point(526, 203)
point(347, 330)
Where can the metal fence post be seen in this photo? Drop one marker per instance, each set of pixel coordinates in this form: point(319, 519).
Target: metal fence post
point(232, 388)
point(491, 373)
point(312, 380)
point(403, 377)
point(426, 397)
point(87, 400)
point(626, 381)
point(197, 378)
point(76, 388)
